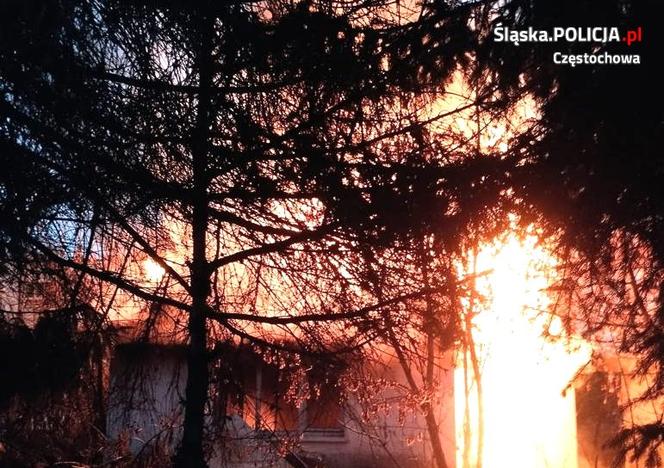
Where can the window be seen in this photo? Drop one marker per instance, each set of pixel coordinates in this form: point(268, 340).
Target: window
point(261, 394)
point(323, 412)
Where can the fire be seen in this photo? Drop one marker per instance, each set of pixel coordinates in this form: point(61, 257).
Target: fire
point(528, 417)
point(153, 271)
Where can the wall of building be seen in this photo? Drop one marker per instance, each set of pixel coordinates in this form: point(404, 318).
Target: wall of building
point(147, 386)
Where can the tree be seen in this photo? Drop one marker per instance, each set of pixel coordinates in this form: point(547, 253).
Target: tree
point(590, 171)
point(249, 150)
point(53, 354)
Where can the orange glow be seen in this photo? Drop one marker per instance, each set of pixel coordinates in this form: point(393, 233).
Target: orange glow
point(153, 271)
point(529, 419)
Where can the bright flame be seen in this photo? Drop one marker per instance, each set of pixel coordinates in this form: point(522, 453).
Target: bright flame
point(153, 271)
point(529, 418)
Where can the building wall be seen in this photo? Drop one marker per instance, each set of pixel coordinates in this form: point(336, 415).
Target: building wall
point(147, 386)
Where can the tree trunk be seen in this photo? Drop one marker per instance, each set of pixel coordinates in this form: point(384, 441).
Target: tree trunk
point(474, 360)
point(434, 437)
point(430, 417)
point(191, 453)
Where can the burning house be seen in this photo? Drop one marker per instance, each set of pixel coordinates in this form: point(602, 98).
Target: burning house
point(516, 398)
point(257, 418)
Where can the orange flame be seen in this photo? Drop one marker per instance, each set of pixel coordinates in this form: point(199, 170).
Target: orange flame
point(528, 417)
point(153, 271)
